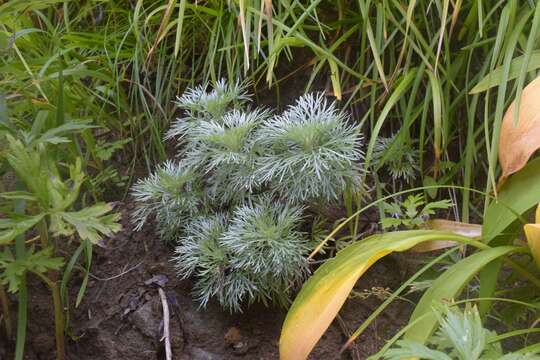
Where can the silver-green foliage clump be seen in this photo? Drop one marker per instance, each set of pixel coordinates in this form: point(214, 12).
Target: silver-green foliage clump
point(311, 151)
point(461, 336)
point(234, 200)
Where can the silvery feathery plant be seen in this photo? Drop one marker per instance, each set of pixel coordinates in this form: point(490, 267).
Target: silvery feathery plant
point(235, 197)
point(251, 254)
point(171, 193)
point(398, 156)
point(310, 151)
point(461, 336)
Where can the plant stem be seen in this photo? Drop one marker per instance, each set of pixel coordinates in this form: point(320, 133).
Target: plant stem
point(57, 300)
point(22, 306)
point(5, 310)
point(58, 322)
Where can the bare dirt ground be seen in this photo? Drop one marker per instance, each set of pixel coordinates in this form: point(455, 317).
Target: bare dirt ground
point(121, 314)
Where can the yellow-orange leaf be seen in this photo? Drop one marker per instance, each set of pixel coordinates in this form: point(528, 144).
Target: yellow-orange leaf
point(325, 292)
point(532, 232)
point(517, 143)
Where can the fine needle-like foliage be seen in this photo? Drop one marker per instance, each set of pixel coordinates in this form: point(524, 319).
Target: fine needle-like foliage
point(311, 152)
point(224, 151)
point(170, 194)
point(200, 105)
point(235, 199)
point(398, 157)
point(263, 238)
point(252, 257)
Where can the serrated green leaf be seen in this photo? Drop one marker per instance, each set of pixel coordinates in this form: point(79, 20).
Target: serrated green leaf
point(390, 222)
point(430, 208)
point(27, 164)
point(14, 269)
point(91, 223)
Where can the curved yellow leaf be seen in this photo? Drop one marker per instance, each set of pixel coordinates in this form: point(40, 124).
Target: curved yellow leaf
point(517, 143)
point(325, 292)
point(532, 232)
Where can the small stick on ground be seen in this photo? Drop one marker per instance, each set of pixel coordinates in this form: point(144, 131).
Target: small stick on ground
point(166, 334)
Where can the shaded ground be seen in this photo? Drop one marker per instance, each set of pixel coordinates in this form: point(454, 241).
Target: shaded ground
point(121, 314)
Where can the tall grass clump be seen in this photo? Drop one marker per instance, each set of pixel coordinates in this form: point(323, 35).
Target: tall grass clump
point(436, 75)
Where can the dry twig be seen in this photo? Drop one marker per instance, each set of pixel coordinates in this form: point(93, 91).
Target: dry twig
point(166, 334)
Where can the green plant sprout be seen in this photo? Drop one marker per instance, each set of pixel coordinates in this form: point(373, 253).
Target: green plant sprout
point(411, 213)
point(398, 156)
point(235, 199)
point(171, 194)
point(49, 198)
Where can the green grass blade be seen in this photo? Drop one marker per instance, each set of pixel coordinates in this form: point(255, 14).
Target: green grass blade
point(22, 296)
point(179, 26)
point(531, 42)
point(88, 251)
point(494, 78)
point(448, 286)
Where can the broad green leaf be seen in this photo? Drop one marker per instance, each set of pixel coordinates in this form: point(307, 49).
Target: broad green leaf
point(16, 225)
point(430, 182)
point(325, 292)
point(447, 287)
point(520, 193)
point(488, 277)
point(438, 134)
point(91, 223)
point(495, 77)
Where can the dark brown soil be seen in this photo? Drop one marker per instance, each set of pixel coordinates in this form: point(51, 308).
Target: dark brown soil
point(121, 315)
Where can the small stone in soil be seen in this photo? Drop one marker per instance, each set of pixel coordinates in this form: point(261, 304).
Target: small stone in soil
point(233, 336)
